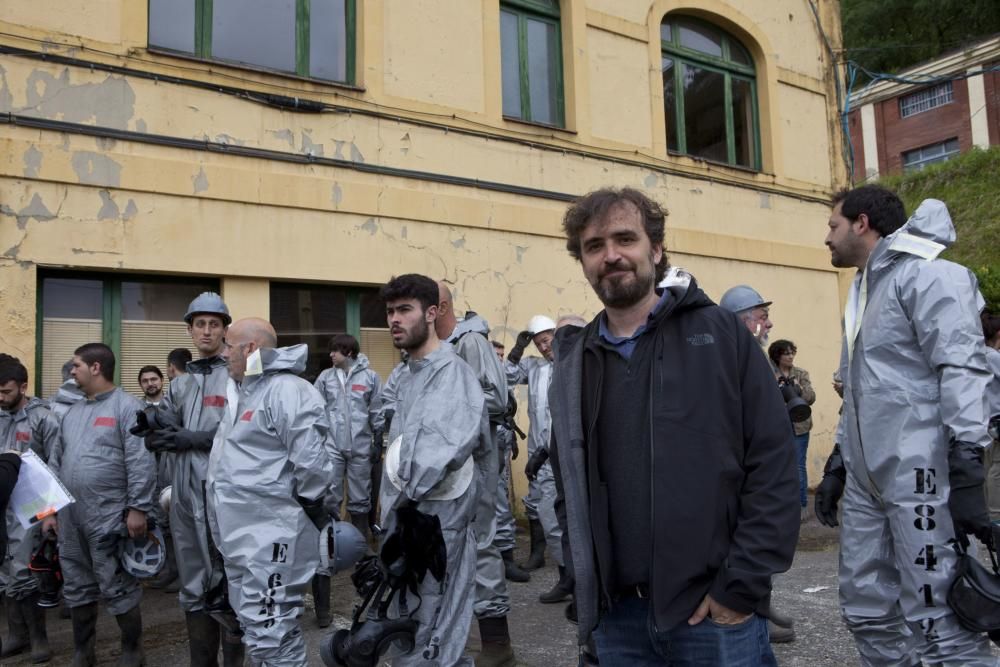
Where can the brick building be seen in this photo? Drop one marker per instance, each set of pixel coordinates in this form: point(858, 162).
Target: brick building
point(900, 126)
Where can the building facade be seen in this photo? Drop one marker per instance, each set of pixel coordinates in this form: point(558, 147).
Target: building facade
point(295, 154)
point(897, 126)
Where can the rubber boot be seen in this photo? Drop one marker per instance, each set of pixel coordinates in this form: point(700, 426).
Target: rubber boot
point(84, 637)
point(37, 632)
point(778, 634)
point(511, 570)
point(563, 589)
point(17, 628)
point(321, 600)
point(495, 636)
point(233, 652)
point(169, 574)
point(536, 559)
point(203, 639)
point(360, 521)
point(778, 618)
point(130, 623)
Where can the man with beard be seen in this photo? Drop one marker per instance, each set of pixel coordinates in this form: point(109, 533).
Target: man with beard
point(151, 383)
point(111, 475)
point(751, 308)
point(197, 400)
point(910, 443)
point(25, 423)
point(470, 339)
point(673, 454)
point(440, 439)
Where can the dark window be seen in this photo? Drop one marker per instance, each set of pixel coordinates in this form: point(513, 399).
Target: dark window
point(531, 61)
point(926, 99)
point(312, 38)
point(709, 93)
point(919, 158)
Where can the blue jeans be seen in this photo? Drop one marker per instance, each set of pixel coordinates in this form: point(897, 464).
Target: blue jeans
point(624, 639)
point(801, 445)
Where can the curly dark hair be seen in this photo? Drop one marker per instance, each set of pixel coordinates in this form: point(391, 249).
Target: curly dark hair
point(779, 347)
point(596, 205)
point(12, 370)
point(884, 209)
point(411, 286)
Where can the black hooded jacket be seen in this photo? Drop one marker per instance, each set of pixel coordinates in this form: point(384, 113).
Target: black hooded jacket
point(724, 486)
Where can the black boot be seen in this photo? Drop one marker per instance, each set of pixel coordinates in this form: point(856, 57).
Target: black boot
point(360, 521)
point(536, 559)
point(84, 628)
point(321, 599)
point(511, 570)
point(17, 628)
point(203, 639)
point(232, 649)
point(37, 633)
point(495, 636)
point(130, 623)
point(561, 591)
point(169, 574)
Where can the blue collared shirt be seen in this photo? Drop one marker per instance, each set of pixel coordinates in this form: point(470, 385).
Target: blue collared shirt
point(625, 346)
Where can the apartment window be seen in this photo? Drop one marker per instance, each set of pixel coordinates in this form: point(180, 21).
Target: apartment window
point(709, 93)
point(311, 313)
point(311, 38)
point(926, 99)
point(139, 317)
point(919, 158)
point(531, 60)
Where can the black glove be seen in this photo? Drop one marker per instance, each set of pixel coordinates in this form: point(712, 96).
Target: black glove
point(515, 354)
point(315, 510)
point(514, 449)
point(378, 441)
point(175, 439)
point(389, 414)
point(535, 463)
point(967, 499)
point(830, 490)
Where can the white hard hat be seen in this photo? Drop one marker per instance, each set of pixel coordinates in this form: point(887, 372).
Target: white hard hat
point(165, 499)
point(452, 486)
point(540, 323)
point(144, 557)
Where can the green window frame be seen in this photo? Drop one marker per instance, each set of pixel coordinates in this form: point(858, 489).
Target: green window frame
point(111, 311)
point(527, 15)
point(733, 66)
point(201, 46)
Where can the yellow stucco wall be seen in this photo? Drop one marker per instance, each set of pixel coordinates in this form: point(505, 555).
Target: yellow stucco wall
point(428, 100)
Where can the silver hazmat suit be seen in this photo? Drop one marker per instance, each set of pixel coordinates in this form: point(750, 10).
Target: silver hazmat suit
point(505, 539)
point(270, 447)
point(914, 374)
point(993, 403)
point(108, 471)
point(353, 408)
point(32, 427)
point(540, 503)
point(471, 342)
point(440, 422)
point(67, 394)
point(198, 399)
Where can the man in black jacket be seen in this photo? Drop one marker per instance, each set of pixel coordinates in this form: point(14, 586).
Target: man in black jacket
point(672, 452)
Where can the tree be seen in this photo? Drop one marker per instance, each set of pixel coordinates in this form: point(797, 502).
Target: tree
point(890, 35)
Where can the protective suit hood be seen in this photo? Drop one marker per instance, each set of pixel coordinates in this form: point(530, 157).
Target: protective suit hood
point(926, 234)
point(69, 392)
point(277, 359)
point(360, 364)
point(472, 323)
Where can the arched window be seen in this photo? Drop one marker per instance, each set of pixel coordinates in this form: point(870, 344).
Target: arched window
point(709, 93)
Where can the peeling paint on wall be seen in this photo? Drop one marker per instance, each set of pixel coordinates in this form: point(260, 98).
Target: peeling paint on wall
point(32, 162)
point(109, 209)
point(309, 147)
point(96, 169)
point(200, 181)
point(131, 210)
point(6, 97)
point(284, 135)
point(36, 209)
point(370, 226)
point(336, 194)
point(356, 155)
point(110, 103)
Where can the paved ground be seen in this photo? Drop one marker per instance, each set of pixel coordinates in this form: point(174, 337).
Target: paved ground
point(542, 636)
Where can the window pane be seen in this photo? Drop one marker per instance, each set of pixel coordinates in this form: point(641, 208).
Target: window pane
point(160, 300)
point(372, 309)
point(700, 37)
point(71, 316)
point(743, 122)
point(257, 32)
point(670, 103)
point(542, 71)
point(171, 24)
point(309, 314)
point(511, 70)
point(666, 33)
point(704, 113)
point(738, 54)
point(328, 39)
